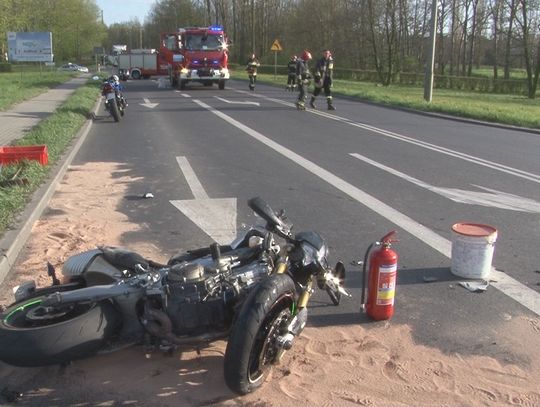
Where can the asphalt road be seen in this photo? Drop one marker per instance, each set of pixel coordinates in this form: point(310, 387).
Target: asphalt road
point(352, 175)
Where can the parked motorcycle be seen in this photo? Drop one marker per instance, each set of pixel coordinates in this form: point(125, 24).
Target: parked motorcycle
point(255, 291)
point(114, 100)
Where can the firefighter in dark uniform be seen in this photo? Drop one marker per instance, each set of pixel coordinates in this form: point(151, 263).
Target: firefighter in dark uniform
point(291, 78)
point(303, 77)
point(324, 69)
point(251, 68)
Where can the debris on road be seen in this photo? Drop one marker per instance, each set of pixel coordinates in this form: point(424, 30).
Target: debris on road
point(475, 286)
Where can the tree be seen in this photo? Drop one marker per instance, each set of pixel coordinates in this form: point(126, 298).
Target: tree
point(496, 14)
point(530, 38)
point(388, 36)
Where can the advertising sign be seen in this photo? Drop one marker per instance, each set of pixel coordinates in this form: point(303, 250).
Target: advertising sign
point(30, 46)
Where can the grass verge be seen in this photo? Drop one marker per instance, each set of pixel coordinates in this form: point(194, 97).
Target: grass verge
point(19, 86)
point(505, 109)
point(56, 132)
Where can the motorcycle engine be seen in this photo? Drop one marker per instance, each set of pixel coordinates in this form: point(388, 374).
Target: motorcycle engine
point(202, 298)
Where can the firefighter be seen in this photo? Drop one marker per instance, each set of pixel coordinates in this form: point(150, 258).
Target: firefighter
point(324, 69)
point(251, 68)
point(291, 78)
point(303, 77)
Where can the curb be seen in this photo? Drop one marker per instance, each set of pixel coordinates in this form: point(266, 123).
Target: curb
point(14, 240)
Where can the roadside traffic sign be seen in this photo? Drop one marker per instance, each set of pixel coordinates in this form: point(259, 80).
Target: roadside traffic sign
point(276, 46)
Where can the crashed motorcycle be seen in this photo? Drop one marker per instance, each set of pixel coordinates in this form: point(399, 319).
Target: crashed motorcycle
point(254, 291)
point(114, 101)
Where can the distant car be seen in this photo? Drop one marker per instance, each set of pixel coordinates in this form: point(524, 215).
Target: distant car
point(73, 67)
point(82, 68)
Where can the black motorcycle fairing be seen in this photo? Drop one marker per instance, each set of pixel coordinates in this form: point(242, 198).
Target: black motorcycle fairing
point(308, 256)
point(313, 238)
point(274, 222)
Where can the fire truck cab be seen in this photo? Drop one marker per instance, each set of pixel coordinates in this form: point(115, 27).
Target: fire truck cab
point(196, 54)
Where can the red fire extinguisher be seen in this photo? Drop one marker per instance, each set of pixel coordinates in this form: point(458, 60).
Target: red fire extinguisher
point(381, 288)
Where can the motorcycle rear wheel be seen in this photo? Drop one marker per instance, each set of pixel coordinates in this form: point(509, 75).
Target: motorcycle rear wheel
point(34, 335)
point(252, 346)
point(115, 113)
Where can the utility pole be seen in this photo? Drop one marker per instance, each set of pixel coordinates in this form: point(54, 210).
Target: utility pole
point(253, 26)
point(430, 63)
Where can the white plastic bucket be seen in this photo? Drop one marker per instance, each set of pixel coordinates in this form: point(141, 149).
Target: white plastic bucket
point(472, 250)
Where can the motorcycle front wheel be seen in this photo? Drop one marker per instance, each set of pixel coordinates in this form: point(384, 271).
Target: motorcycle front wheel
point(34, 335)
point(252, 347)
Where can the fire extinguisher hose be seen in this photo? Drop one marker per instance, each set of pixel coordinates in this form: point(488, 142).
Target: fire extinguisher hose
point(364, 267)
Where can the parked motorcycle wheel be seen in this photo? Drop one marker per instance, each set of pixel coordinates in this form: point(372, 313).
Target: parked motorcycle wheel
point(34, 335)
point(252, 346)
point(115, 113)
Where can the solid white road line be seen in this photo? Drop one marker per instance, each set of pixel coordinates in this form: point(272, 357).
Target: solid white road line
point(443, 150)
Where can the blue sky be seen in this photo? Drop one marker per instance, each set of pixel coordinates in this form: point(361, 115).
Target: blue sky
point(119, 11)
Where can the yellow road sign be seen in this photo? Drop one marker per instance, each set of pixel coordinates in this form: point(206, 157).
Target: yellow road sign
point(276, 46)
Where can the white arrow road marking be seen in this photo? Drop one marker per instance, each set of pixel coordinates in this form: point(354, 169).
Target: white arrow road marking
point(511, 287)
point(216, 217)
point(149, 104)
point(237, 102)
point(493, 198)
point(185, 95)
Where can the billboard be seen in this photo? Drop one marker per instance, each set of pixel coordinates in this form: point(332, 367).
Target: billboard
point(30, 46)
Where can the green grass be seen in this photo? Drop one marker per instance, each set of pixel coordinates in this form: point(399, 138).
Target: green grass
point(19, 86)
point(487, 72)
point(506, 109)
point(56, 132)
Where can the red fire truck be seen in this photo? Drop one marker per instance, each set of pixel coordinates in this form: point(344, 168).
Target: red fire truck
point(198, 54)
point(194, 54)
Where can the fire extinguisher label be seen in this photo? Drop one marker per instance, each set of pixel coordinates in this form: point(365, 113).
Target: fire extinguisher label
point(387, 284)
